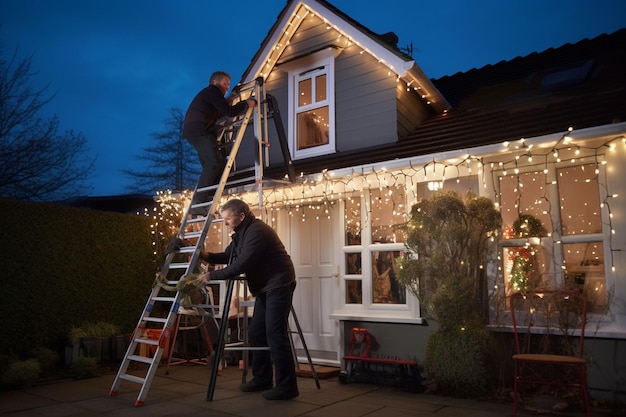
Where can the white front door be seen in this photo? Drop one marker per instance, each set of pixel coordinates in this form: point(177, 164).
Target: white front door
point(313, 248)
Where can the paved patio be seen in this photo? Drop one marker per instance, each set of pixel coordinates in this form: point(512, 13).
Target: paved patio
point(182, 393)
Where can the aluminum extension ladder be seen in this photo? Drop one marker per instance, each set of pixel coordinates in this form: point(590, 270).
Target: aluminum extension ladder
point(161, 310)
point(166, 296)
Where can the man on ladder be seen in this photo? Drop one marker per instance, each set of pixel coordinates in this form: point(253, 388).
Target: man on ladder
point(257, 252)
point(200, 129)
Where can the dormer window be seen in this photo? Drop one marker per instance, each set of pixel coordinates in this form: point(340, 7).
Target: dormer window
point(312, 116)
point(312, 104)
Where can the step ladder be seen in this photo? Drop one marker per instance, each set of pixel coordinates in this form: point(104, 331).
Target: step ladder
point(172, 285)
point(222, 346)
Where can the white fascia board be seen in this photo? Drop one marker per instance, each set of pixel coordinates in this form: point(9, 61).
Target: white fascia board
point(407, 70)
point(592, 133)
point(256, 69)
point(383, 54)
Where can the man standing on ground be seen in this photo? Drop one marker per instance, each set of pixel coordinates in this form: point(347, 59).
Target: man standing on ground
point(200, 128)
point(257, 252)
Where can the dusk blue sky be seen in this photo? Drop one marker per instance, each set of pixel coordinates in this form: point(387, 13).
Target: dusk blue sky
point(116, 67)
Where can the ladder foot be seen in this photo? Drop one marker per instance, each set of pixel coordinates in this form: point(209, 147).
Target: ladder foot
point(112, 393)
point(138, 403)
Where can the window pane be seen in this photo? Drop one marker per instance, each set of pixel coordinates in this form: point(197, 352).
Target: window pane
point(320, 88)
point(313, 128)
point(388, 212)
point(354, 291)
point(584, 271)
point(524, 268)
point(304, 92)
point(352, 217)
point(385, 287)
point(525, 193)
point(353, 263)
point(580, 200)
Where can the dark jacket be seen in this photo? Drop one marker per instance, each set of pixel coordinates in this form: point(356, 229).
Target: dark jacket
point(206, 107)
point(258, 253)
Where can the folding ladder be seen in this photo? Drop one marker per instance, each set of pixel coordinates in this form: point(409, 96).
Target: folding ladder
point(243, 346)
point(171, 287)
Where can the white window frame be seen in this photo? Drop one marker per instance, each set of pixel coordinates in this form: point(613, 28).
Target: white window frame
point(368, 310)
point(323, 62)
point(558, 276)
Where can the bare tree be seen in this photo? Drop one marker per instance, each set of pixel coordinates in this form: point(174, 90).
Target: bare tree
point(37, 162)
point(173, 162)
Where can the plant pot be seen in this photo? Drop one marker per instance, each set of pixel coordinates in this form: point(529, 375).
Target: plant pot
point(106, 349)
point(72, 351)
point(119, 345)
point(91, 347)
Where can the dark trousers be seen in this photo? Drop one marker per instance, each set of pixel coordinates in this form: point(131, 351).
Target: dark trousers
point(211, 161)
point(269, 327)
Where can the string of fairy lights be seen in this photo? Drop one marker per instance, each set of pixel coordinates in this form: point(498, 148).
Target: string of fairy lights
point(319, 193)
point(343, 39)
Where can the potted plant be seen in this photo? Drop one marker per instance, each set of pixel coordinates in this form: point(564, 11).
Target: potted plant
point(449, 241)
point(93, 340)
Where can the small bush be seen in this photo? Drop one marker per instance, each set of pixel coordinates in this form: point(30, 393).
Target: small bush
point(22, 374)
point(84, 367)
point(456, 360)
point(48, 359)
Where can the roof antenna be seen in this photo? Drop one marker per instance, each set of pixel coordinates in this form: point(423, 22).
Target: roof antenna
point(408, 49)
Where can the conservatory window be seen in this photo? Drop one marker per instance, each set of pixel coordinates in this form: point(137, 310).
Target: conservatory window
point(354, 291)
point(584, 266)
point(385, 287)
point(524, 193)
point(387, 208)
point(569, 253)
point(352, 221)
point(579, 200)
point(373, 243)
point(352, 217)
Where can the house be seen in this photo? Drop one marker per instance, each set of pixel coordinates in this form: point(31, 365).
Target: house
point(370, 134)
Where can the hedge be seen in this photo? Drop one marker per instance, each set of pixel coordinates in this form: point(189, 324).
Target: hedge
point(64, 266)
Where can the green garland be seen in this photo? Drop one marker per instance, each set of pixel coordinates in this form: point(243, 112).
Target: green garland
point(528, 225)
point(187, 285)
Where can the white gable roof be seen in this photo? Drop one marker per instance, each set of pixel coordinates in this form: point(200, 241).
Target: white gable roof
point(296, 11)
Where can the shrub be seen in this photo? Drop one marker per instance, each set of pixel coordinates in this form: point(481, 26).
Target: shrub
point(22, 374)
point(456, 361)
point(450, 243)
point(84, 367)
point(48, 359)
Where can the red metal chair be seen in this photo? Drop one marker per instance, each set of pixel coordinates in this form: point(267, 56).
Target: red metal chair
point(549, 329)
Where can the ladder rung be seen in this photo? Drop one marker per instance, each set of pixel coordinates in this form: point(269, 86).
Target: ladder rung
point(155, 319)
point(237, 348)
point(147, 341)
point(162, 298)
point(192, 235)
point(138, 358)
point(246, 180)
point(132, 378)
point(183, 265)
point(205, 203)
point(187, 249)
point(203, 306)
point(196, 220)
